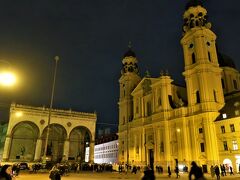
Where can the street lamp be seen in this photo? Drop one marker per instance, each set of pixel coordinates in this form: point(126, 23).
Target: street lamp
point(7, 78)
point(50, 110)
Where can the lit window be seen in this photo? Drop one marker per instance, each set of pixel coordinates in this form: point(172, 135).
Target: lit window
point(223, 129)
point(232, 127)
point(224, 116)
point(236, 112)
point(235, 145)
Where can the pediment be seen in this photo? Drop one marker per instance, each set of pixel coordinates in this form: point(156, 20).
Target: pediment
point(144, 85)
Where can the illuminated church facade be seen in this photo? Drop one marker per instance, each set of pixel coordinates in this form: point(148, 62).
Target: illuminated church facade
point(161, 123)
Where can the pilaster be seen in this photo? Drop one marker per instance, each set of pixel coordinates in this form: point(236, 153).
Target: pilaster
point(66, 149)
point(6, 149)
point(38, 149)
point(91, 152)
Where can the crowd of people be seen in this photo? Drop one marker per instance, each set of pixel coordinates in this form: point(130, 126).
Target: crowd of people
point(6, 172)
point(220, 171)
point(9, 172)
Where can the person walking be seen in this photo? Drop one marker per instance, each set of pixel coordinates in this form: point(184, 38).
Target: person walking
point(6, 172)
point(212, 170)
point(196, 171)
point(169, 171)
point(177, 171)
point(231, 170)
point(54, 173)
point(217, 172)
point(148, 174)
point(224, 170)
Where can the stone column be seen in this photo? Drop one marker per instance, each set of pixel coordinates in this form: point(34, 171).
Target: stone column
point(91, 152)
point(6, 149)
point(167, 152)
point(186, 142)
point(66, 150)
point(144, 147)
point(210, 140)
point(38, 149)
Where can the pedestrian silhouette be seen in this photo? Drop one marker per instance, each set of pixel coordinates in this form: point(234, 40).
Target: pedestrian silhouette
point(212, 171)
point(148, 174)
point(231, 170)
point(217, 172)
point(169, 171)
point(196, 171)
point(177, 172)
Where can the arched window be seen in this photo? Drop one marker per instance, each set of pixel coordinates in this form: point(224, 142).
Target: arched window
point(209, 56)
point(159, 101)
point(193, 58)
point(149, 109)
point(235, 84)
point(223, 85)
point(215, 95)
point(198, 96)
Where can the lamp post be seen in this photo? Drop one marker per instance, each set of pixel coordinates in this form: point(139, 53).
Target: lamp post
point(50, 109)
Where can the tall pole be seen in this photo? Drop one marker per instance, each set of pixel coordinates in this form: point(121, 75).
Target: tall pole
point(127, 144)
point(50, 109)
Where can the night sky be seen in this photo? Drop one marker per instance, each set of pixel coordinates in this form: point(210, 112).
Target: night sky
point(91, 37)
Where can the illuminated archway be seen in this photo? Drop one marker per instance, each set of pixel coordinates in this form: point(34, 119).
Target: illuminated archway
point(24, 138)
point(79, 139)
point(56, 139)
point(227, 163)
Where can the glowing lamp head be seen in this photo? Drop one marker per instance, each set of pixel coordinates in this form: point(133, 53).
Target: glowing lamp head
point(19, 114)
point(7, 79)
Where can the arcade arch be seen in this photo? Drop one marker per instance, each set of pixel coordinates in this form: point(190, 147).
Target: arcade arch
point(24, 137)
point(55, 144)
point(79, 139)
point(227, 163)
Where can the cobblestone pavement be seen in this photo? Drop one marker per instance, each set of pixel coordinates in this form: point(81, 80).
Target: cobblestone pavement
point(109, 175)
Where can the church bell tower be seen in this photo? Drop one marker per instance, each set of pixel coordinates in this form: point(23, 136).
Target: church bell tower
point(128, 81)
point(202, 72)
point(203, 80)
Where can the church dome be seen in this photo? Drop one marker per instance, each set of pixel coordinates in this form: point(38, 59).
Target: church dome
point(225, 61)
point(193, 3)
point(129, 53)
